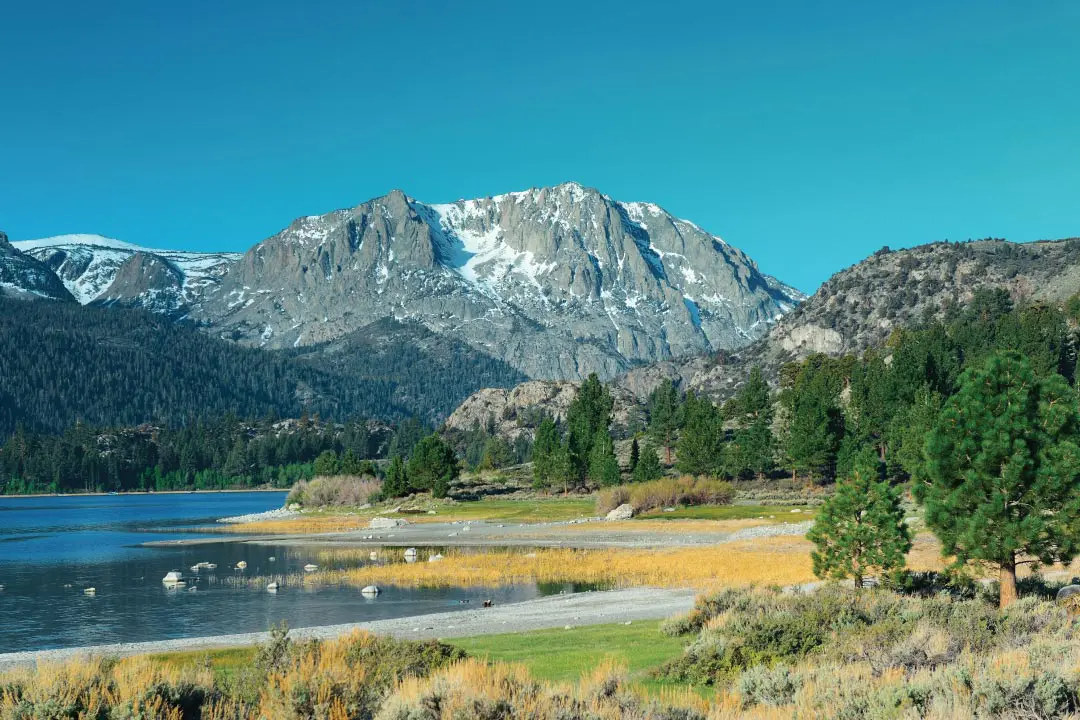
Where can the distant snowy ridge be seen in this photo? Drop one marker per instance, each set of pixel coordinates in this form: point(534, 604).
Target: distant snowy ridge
point(88, 266)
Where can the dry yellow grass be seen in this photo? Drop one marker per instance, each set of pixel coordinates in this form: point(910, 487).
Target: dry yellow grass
point(765, 561)
point(304, 525)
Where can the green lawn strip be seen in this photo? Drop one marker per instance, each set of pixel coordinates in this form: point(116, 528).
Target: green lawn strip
point(540, 510)
point(565, 655)
point(224, 660)
point(772, 513)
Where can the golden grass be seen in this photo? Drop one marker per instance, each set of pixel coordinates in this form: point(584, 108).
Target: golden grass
point(764, 561)
point(304, 525)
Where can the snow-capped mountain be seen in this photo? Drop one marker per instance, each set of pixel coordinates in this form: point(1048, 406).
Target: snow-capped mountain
point(25, 277)
point(99, 269)
point(558, 281)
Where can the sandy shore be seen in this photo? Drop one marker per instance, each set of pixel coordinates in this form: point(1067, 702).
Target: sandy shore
point(572, 534)
point(557, 611)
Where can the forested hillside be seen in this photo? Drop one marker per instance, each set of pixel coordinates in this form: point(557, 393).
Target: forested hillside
point(827, 411)
point(61, 364)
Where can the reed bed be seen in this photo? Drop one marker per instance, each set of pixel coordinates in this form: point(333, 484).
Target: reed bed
point(304, 525)
point(766, 561)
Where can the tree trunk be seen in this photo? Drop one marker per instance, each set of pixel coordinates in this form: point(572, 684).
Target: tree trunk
point(1008, 584)
point(858, 581)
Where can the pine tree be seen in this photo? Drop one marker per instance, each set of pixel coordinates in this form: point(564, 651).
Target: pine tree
point(814, 433)
point(635, 454)
point(497, 454)
point(603, 467)
point(700, 446)
point(326, 463)
point(648, 466)
point(432, 466)
point(589, 413)
point(1002, 473)
point(396, 483)
point(665, 416)
point(860, 528)
point(545, 452)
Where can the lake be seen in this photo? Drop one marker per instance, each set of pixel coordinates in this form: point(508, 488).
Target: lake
point(52, 548)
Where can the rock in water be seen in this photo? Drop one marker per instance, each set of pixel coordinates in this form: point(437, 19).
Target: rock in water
point(623, 512)
point(370, 591)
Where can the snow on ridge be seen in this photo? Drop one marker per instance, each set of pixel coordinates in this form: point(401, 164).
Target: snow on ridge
point(102, 257)
point(481, 256)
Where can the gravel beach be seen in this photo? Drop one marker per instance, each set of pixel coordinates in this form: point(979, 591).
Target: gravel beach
point(591, 608)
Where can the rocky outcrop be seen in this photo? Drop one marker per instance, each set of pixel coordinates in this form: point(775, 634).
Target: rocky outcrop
point(519, 410)
point(859, 307)
point(25, 277)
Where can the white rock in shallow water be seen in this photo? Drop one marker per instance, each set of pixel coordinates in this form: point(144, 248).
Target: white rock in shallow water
point(272, 587)
point(370, 591)
point(311, 567)
point(623, 512)
point(385, 523)
point(435, 558)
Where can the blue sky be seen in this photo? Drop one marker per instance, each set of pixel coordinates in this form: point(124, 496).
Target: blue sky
point(808, 134)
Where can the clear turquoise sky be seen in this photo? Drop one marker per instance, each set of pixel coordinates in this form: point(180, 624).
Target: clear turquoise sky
point(808, 136)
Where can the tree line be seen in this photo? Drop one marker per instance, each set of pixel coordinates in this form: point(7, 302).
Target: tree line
point(201, 454)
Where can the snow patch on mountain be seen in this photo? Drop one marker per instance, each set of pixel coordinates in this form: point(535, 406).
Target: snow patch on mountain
point(88, 264)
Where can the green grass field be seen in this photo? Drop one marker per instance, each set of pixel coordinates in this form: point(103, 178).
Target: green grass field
point(522, 511)
point(565, 655)
point(556, 655)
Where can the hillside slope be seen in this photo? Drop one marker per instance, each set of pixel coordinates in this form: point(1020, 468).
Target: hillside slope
point(62, 363)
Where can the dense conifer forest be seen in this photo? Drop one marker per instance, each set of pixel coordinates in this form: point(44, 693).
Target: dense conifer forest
point(62, 364)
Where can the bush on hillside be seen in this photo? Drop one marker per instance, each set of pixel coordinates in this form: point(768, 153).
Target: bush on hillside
point(335, 491)
point(666, 492)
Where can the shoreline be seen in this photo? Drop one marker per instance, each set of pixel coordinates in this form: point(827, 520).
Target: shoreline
point(144, 492)
point(486, 534)
point(554, 611)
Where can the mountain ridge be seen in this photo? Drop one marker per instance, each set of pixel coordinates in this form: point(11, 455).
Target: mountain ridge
point(558, 281)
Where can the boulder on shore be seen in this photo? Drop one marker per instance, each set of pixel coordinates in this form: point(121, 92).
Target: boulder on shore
point(1067, 592)
point(623, 512)
point(385, 523)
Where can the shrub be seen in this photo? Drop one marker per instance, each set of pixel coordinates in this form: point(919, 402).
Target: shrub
point(610, 498)
point(666, 492)
point(769, 686)
point(685, 490)
point(335, 491)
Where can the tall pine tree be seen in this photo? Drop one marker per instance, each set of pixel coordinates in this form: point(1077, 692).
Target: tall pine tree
point(1002, 474)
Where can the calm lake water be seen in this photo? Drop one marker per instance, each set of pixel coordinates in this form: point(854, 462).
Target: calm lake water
point(51, 548)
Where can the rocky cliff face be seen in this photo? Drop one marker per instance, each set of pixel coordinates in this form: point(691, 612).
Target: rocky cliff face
point(558, 282)
point(25, 277)
point(159, 280)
